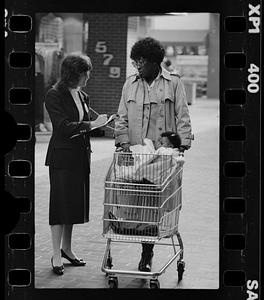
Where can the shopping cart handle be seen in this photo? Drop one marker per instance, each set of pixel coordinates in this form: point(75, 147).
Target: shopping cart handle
point(118, 149)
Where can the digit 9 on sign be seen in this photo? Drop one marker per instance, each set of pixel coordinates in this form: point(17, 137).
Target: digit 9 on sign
point(114, 72)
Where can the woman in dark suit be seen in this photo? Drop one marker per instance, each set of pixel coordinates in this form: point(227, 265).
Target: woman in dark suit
point(69, 158)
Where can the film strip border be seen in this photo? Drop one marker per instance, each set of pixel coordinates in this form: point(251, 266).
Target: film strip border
point(239, 153)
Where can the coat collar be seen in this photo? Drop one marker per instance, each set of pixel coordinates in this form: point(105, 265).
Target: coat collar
point(163, 73)
point(66, 91)
point(69, 101)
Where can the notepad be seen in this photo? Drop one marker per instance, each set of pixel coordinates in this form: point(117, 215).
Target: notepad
point(110, 119)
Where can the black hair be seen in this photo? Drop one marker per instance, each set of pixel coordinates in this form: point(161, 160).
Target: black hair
point(149, 49)
point(173, 137)
point(72, 66)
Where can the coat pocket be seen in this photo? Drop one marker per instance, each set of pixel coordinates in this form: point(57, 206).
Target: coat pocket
point(168, 97)
point(131, 100)
point(132, 110)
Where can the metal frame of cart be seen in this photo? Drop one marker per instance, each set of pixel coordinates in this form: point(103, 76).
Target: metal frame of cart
point(142, 204)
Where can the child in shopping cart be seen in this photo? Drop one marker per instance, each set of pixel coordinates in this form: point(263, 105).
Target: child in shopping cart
point(170, 143)
point(151, 164)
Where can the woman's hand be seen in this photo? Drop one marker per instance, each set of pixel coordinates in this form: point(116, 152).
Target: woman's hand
point(100, 121)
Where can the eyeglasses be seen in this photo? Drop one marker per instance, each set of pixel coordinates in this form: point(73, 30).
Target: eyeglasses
point(139, 63)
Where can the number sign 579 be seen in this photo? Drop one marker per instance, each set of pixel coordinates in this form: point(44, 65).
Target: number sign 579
point(101, 47)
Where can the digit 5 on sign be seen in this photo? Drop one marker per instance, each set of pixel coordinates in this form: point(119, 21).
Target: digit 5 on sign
point(100, 47)
point(253, 79)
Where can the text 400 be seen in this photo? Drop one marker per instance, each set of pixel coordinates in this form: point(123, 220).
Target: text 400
point(253, 78)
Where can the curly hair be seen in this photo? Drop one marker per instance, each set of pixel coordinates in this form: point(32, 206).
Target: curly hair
point(149, 49)
point(72, 66)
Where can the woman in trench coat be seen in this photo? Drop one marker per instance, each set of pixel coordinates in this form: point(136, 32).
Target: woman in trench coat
point(153, 101)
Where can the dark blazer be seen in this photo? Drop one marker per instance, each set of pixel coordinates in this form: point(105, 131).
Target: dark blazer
point(64, 152)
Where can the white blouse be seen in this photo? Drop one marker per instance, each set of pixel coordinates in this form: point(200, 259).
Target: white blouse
point(77, 100)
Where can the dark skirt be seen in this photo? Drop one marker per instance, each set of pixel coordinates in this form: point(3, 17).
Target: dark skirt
point(69, 196)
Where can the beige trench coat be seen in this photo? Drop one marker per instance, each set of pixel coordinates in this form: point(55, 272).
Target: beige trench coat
point(172, 108)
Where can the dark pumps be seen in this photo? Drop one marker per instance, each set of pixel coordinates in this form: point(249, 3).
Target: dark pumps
point(74, 261)
point(58, 270)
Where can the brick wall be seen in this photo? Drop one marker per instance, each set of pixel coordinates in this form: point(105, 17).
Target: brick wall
point(103, 88)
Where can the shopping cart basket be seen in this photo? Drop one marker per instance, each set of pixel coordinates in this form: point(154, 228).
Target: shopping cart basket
point(143, 194)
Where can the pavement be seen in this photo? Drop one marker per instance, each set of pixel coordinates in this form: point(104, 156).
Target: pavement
point(198, 223)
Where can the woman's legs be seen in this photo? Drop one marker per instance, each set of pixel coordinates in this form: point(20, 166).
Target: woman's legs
point(56, 236)
point(67, 240)
point(146, 257)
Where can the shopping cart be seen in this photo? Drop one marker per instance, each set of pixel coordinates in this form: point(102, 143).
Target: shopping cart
point(143, 194)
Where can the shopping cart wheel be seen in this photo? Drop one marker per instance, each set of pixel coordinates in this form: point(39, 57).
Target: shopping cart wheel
point(154, 284)
point(180, 269)
point(113, 282)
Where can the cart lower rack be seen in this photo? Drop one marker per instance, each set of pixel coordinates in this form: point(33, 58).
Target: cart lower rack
point(143, 198)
